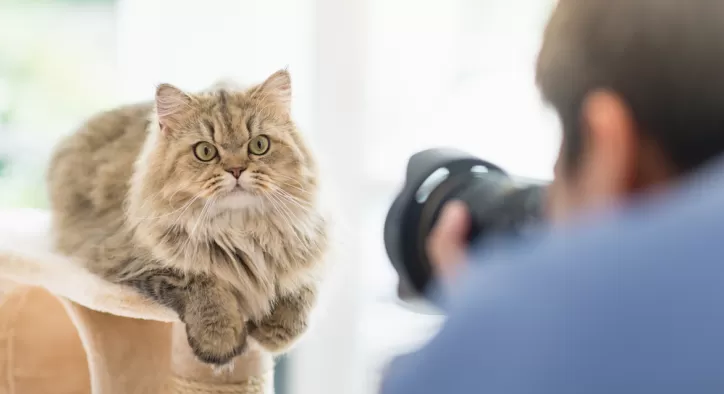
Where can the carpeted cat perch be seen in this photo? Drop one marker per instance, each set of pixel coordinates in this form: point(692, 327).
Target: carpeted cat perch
point(65, 331)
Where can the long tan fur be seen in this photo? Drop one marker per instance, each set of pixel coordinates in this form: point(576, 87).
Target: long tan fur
point(136, 201)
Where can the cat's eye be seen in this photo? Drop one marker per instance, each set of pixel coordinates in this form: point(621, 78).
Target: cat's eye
point(259, 145)
point(205, 151)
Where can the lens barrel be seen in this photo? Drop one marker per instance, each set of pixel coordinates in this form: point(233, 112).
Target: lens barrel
point(499, 206)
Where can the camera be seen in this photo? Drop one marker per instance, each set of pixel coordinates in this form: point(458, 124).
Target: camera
point(499, 206)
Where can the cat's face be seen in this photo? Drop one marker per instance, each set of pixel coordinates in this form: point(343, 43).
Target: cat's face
point(231, 149)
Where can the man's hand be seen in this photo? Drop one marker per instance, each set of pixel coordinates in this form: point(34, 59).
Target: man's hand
point(447, 243)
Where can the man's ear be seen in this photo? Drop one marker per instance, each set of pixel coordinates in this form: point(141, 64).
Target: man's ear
point(172, 106)
point(610, 146)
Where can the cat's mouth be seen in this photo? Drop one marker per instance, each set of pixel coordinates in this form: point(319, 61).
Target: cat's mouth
point(238, 189)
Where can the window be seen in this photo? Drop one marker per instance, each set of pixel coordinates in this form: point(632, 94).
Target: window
point(57, 65)
point(445, 73)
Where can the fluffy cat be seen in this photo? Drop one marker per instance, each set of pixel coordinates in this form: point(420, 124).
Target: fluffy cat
point(204, 202)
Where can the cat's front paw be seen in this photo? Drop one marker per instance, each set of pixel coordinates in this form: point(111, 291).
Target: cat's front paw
point(277, 335)
point(217, 342)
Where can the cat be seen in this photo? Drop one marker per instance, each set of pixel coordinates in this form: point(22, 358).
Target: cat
point(205, 202)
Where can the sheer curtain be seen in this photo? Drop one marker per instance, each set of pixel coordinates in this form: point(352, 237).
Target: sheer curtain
point(374, 81)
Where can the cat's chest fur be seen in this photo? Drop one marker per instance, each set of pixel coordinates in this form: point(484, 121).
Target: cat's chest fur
point(262, 255)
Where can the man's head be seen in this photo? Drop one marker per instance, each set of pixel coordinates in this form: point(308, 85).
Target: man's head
point(639, 89)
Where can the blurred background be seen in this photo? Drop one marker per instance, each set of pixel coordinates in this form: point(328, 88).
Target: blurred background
point(374, 81)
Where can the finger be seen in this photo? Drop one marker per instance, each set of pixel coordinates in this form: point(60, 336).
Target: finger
point(455, 222)
point(448, 240)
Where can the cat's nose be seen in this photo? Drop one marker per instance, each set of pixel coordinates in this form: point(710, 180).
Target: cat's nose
point(236, 171)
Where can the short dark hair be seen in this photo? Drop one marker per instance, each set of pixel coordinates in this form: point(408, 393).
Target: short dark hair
point(664, 58)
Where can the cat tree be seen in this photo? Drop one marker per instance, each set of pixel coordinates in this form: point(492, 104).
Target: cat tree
point(65, 331)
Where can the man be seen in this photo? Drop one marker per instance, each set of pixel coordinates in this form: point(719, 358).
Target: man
point(626, 293)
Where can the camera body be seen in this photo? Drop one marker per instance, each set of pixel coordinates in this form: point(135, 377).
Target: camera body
point(498, 204)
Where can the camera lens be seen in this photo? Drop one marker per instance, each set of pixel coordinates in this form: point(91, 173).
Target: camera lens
point(498, 206)
point(478, 188)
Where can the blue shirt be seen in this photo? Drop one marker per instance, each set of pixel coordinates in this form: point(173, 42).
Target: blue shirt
point(632, 302)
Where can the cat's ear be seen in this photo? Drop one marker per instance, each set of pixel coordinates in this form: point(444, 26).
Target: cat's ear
point(172, 105)
point(278, 87)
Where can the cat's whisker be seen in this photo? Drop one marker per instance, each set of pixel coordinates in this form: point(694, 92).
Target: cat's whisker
point(204, 212)
point(213, 183)
point(170, 198)
point(289, 178)
point(296, 198)
point(294, 224)
point(151, 198)
point(215, 191)
point(297, 222)
point(307, 192)
point(191, 245)
point(303, 205)
point(267, 179)
point(275, 207)
point(196, 197)
point(282, 210)
point(286, 176)
point(185, 206)
point(289, 199)
point(273, 190)
point(296, 190)
point(206, 218)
